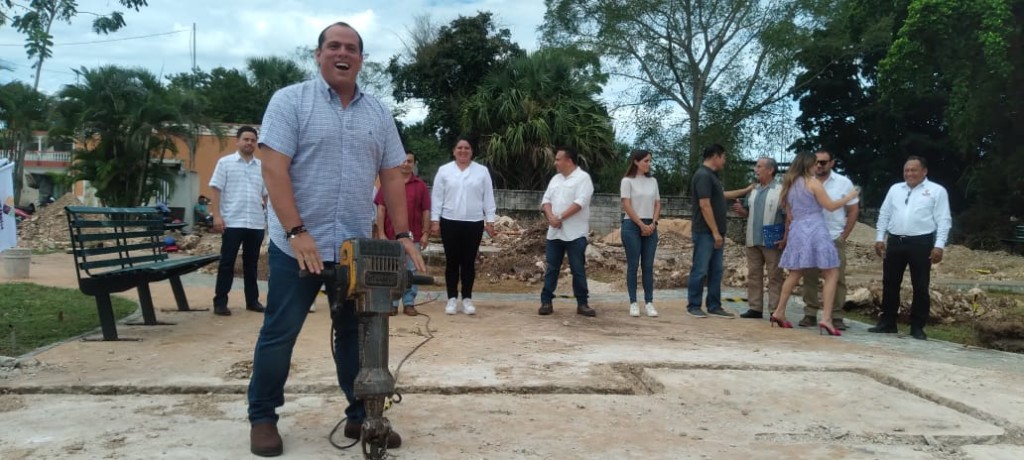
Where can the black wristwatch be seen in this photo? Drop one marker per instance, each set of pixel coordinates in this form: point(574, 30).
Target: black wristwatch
point(403, 235)
point(295, 231)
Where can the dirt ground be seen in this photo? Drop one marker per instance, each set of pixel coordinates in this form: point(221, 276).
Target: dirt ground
point(513, 261)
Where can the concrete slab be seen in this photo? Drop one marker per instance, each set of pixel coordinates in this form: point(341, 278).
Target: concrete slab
point(798, 404)
point(435, 427)
point(507, 383)
point(994, 452)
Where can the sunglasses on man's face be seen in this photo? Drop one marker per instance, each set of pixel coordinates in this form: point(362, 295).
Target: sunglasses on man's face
point(823, 162)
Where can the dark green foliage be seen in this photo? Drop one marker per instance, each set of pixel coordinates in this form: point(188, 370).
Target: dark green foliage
point(445, 72)
point(126, 123)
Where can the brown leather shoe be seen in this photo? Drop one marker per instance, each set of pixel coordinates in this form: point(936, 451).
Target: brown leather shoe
point(410, 311)
point(355, 430)
point(545, 309)
point(808, 321)
point(839, 324)
point(264, 440)
point(585, 310)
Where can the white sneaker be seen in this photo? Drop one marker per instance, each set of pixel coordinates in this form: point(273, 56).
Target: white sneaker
point(451, 307)
point(650, 310)
point(634, 310)
point(467, 307)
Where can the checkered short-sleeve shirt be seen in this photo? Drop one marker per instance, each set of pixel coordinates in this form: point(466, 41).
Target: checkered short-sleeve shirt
point(336, 155)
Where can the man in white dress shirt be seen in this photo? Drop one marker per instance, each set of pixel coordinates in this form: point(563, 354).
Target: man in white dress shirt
point(915, 214)
point(840, 224)
point(239, 212)
point(566, 206)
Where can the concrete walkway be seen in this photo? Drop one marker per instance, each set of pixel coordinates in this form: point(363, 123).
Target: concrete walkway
point(507, 383)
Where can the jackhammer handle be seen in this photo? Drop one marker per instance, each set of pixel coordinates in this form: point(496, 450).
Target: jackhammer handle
point(422, 279)
point(328, 272)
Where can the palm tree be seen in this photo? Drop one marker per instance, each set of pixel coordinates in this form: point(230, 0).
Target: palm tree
point(126, 123)
point(534, 104)
point(22, 109)
point(271, 73)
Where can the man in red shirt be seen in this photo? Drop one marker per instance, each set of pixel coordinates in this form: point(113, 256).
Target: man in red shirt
point(417, 199)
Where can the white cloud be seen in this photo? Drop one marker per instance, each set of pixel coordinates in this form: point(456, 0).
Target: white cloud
point(230, 31)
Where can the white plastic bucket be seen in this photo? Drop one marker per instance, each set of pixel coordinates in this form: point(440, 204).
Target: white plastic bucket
point(16, 262)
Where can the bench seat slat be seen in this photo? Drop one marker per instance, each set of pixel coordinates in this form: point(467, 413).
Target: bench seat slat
point(172, 264)
point(115, 223)
point(130, 261)
point(117, 236)
point(150, 245)
point(96, 210)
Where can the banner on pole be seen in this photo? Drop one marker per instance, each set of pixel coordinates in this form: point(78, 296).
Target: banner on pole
point(8, 233)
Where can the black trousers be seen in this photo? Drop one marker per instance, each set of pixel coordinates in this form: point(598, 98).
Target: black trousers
point(901, 251)
point(461, 242)
point(249, 240)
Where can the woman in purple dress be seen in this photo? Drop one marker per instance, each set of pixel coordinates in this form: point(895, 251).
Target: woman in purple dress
point(807, 243)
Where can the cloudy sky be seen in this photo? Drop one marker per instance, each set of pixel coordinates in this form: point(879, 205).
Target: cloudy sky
point(158, 36)
point(229, 31)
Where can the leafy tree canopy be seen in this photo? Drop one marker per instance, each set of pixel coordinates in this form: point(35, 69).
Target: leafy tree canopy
point(446, 71)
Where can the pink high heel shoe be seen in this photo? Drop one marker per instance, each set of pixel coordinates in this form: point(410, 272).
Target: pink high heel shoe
point(781, 322)
point(822, 327)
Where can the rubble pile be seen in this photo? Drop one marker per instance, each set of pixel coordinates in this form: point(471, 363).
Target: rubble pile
point(948, 306)
point(47, 229)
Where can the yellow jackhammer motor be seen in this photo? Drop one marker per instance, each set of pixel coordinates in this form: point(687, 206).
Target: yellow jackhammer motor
point(372, 273)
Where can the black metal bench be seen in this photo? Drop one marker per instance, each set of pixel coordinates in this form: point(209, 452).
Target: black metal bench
point(1018, 238)
point(117, 249)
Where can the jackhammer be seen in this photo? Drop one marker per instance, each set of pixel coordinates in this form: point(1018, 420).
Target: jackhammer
point(372, 273)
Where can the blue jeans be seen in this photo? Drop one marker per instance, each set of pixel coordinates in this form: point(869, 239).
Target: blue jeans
point(408, 297)
point(639, 253)
point(707, 263)
point(288, 301)
point(554, 252)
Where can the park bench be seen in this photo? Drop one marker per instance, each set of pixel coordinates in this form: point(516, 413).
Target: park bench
point(1018, 238)
point(117, 249)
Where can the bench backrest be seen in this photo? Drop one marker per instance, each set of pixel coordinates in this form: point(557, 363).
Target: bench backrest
point(108, 239)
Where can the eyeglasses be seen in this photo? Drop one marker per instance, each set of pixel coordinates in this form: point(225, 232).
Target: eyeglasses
point(823, 162)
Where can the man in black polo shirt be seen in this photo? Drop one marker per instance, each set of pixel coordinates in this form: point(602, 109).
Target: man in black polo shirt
point(708, 230)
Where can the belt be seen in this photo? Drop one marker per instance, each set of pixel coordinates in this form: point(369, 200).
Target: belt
point(927, 238)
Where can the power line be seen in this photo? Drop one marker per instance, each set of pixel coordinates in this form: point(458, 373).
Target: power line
point(44, 70)
point(139, 37)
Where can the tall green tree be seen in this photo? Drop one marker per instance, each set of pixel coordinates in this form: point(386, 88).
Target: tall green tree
point(444, 73)
point(125, 123)
point(35, 19)
point(721, 62)
point(840, 110)
point(935, 78)
point(194, 109)
point(23, 110)
point(270, 73)
point(971, 52)
point(535, 103)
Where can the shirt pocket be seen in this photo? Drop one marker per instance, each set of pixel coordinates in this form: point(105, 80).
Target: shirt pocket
point(361, 143)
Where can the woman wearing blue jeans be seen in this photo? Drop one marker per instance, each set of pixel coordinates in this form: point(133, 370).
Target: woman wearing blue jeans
point(641, 206)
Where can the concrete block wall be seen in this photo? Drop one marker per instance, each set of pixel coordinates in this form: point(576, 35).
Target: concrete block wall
point(605, 208)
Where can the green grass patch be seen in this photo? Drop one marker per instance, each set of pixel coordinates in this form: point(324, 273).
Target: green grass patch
point(32, 316)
